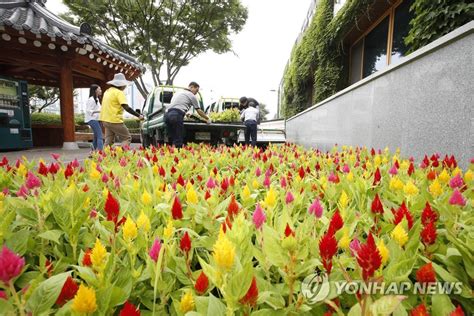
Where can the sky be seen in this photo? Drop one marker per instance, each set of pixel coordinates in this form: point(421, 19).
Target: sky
point(260, 53)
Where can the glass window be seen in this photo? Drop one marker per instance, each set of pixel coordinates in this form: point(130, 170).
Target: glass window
point(401, 27)
point(356, 61)
point(375, 48)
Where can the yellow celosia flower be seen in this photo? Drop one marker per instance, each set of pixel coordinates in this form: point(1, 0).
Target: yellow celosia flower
point(270, 199)
point(344, 200)
point(385, 160)
point(168, 231)
point(377, 161)
point(468, 176)
point(187, 303)
point(245, 193)
point(129, 229)
point(345, 239)
point(405, 165)
point(352, 158)
point(87, 203)
point(369, 165)
point(158, 193)
point(22, 170)
point(383, 250)
point(410, 189)
point(1, 207)
point(350, 176)
point(136, 185)
point(105, 193)
point(435, 188)
point(155, 169)
point(457, 171)
point(395, 184)
point(84, 301)
point(444, 176)
point(224, 252)
point(255, 184)
point(98, 255)
point(143, 222)
point(118, 150)
point(146, 198)
point(400, 235)
point(94, 174)
point(191, 196)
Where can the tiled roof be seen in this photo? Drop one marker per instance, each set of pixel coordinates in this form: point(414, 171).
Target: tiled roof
point(32, 16)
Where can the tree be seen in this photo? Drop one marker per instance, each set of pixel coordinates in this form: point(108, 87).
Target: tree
point(42, 97)
point(163, 34)
point(263, 111)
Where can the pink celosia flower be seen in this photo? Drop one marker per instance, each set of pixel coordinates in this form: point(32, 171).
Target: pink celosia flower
point(266, 182)
point(258, 172)
point(10, 265)
point(105, 178)
point(140, 163)
point(456, 182)
point(268, 173)
point(55, 156)
point(283, 182)
point(75, 163)
point(210, 183)
point(3, 295)
point(316, 209)
point(333, 178)
point(393, 171)
point(289, 197)
point(457, 198)
point(22, 192)
point(155, 250)
point(32, 181)
point(93, 213)
point(354, 246)
point(258, 217)
point(346, 168)
point(117, 183)
point(123, 162)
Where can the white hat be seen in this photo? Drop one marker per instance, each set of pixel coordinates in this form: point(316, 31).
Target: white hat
point(119, 80)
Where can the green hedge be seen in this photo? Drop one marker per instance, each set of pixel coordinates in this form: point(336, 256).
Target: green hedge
point(317, 70)
point(55, 119)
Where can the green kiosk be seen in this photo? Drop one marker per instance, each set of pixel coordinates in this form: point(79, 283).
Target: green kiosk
point(15, 123)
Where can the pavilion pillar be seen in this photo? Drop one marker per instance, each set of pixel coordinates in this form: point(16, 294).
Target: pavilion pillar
point(67, 104)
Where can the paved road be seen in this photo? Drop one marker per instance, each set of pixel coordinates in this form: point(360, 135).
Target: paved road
point(45, 152)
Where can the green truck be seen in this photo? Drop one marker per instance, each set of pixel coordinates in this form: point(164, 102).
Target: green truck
point(153, 128)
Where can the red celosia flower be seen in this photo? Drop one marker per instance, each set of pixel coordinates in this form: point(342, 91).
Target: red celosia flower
point(185, 243)
point(301, 172)
point(86, 260)
point(129, 310)
point(42, 170)
point(85, 188)
point(68, 291)
point(420, 310)
point(162, 172)
point(377, 206)
point(377, 177)
point(4, 161)
point(69, 171)
point(327, 249)
point(403, 212)
point(233, 208)
point(49, 267)
point(173, 170)
point(177, 209)
point(112, 209)
point(202, 283)
point(288, 230)
point(252, 294)
point(180, 181)
point(411, 169)
point(224, 184)
point(369, 258)
point(457, 312)
point(426, 274)
point(431, 175)
point(372, 152)
point(207, 195)
point(428, 215)
point(425, 163)
point(53, 168)
point(428, 234)
point(336, 222)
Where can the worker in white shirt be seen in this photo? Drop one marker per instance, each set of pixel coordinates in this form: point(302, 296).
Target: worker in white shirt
point(250, 117)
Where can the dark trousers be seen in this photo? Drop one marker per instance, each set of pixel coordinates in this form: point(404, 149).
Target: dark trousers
point(251, 132)
point(175, 126)
point(98, 142)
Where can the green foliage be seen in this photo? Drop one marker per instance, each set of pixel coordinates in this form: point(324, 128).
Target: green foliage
point(226, 116)
point(42, 97)
point(317, 61)
point(53, 119)
point(435, 18)
point(166, 34)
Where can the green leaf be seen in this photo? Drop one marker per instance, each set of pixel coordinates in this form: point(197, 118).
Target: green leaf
point(52, 235)
point(18, 242)
point(441, 305)
point(6, 308)
point(216, 307)
point(355, 310)
point(273, 299)
point(24, 209)
point(240, 283)
point(44, 296)
point(386, 305)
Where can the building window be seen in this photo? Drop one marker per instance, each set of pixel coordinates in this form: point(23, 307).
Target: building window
point(383, 44)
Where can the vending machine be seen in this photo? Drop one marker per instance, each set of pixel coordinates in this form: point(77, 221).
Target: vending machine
point(15, 122)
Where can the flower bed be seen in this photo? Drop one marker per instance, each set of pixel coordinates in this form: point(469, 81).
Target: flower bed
point(202, 230)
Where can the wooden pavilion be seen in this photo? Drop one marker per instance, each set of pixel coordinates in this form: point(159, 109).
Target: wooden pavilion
point(43, 49)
